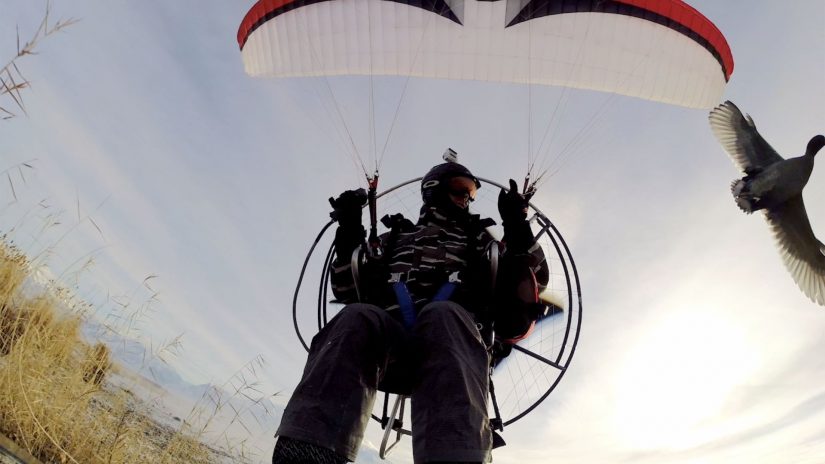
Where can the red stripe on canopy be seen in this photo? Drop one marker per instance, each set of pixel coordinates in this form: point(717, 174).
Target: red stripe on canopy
point(255, 14)
point(686, 15)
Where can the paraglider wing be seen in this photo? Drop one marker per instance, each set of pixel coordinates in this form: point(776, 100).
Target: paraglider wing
point(659, 50)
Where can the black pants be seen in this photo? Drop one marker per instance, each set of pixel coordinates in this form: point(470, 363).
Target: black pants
point(444, 360)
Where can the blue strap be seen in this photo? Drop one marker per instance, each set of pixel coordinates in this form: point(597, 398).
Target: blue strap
point(405, 304)
point(445, 292)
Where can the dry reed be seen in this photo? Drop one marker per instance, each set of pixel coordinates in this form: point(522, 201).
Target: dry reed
point(12, 80)
point(53, 399)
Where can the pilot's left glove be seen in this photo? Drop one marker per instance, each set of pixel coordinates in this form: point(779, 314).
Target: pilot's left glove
point(512, 206)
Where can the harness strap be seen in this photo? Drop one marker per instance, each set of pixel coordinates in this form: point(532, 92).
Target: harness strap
point(405, 302)
point(446, 291)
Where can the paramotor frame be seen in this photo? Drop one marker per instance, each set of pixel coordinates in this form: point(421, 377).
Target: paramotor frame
point(535, 367)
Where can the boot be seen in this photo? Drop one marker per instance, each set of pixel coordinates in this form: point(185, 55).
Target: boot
point(290, 451)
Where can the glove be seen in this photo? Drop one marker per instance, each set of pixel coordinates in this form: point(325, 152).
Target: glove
point(512, 206)
point(397, 222)
point(346, 209)
point(348, 239)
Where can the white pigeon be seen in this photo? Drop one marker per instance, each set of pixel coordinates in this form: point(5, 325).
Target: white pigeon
point(774, 185)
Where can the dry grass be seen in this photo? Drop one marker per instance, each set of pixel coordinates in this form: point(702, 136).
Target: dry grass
point(52, 397)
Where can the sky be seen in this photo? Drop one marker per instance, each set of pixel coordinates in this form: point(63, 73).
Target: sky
point(195, 192)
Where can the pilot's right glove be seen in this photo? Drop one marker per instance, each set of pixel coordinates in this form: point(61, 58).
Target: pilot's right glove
point(346, 209)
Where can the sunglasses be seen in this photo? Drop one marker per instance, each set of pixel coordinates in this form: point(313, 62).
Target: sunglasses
point(463, 193)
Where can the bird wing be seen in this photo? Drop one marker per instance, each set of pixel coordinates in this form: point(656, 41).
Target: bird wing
point(802, 253)
point(739, 137)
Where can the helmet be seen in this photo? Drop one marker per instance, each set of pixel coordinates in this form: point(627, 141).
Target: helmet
point(433, 183)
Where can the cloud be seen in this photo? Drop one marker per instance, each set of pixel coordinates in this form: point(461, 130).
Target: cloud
point(805, 410)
